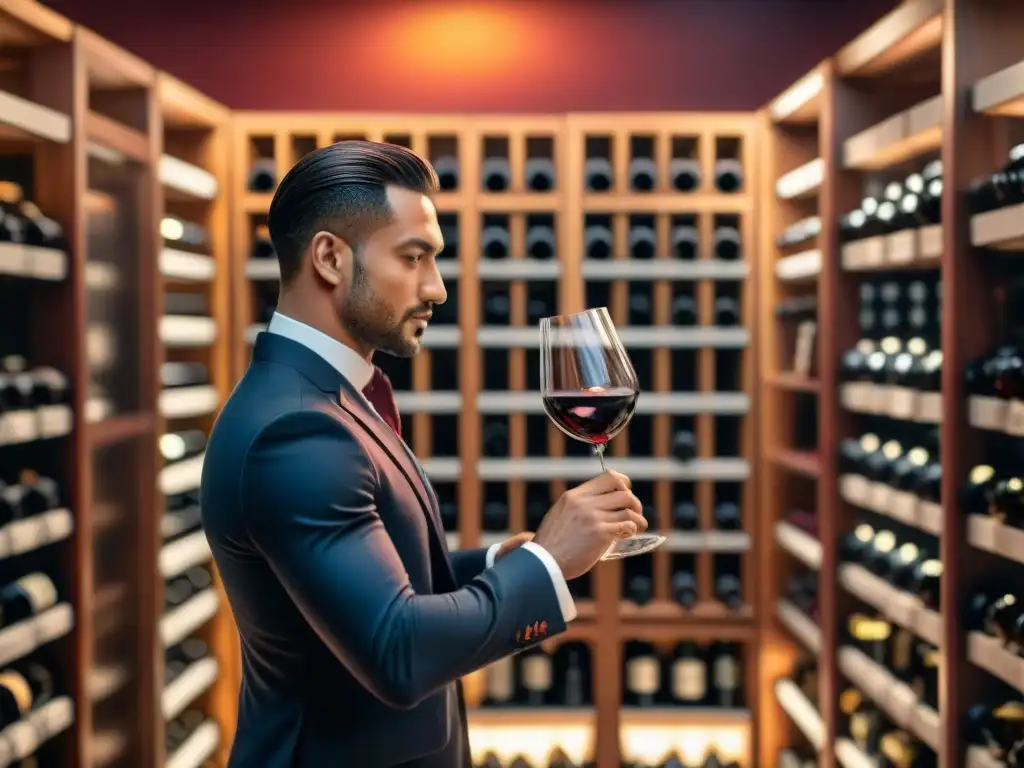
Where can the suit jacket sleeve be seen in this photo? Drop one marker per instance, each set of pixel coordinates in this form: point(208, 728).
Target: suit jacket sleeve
point(468, 564)
point(308, 492)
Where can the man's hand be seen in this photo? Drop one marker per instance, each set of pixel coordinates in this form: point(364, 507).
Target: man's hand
point(514, 543)
point(585, 521)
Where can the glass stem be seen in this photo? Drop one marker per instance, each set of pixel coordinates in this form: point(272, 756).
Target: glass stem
point(600, 456)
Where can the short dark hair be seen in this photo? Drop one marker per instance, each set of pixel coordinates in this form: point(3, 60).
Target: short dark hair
point(341, 189)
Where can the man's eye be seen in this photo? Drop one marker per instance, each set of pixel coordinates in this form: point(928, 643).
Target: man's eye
point(413, 257)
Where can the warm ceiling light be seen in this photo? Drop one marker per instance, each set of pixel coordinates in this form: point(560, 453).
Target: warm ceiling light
point(467, 40)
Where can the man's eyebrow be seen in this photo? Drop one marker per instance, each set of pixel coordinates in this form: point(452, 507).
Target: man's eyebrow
point(419, 242)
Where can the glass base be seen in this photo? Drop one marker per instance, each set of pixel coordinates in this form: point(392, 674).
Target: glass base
point(640, 544)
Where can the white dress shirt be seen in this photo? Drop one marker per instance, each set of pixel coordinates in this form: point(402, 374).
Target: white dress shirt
point(359, 371)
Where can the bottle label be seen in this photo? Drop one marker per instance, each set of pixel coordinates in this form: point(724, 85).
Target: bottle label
point(40, 590)
point(642, 675)
point(726, 673)
point(19, 688)
point(501, 680)
point(689, 680)
point(537, 672)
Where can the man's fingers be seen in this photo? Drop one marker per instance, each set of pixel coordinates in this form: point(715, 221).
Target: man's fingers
point(618, 500)
point(632, 516)
point(621, 530)
point(606, 482)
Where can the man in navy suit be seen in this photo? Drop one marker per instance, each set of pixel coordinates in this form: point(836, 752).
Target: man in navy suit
point(356, 622)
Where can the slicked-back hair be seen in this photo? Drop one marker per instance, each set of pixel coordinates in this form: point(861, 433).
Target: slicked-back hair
point(341, 189)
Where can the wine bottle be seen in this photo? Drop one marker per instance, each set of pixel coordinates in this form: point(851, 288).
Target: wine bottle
point(643, 174)
point(497, 309)
point(496, 174)
point(494, 242)
point(174, 374)
point(184, 235)
point(597, 172)
point(641, 304)
point(729, 590)
point(685, 173)
point(535, 677)
point(177, 446)
point(263, 175)
point(728, 175)
point(1006, 502)
point(685, 242)
point(638, 585)
point(876, 559)
point(597, 242)
point(540, 242)
point(727, 311)
point(684, 311)
point(725, 674)
point(799, 232)
point(447, 169)
point(996, 727)
point(37, 229)
point(15, 697)
point(26, 597)
point(684, 445)
point(684, 588)
point(871, 635)
point(500, 686)
point(903, 563)
point(573, 661)
point(449, 511)
point(262, 245)
point(495, 516)
point(727, 516)
point(727, 243)
point(975, 496)
point(540, 174)
point(495, 437)
point(642, 673)
point(642, 242)
point(686, 516)
point(689, 675)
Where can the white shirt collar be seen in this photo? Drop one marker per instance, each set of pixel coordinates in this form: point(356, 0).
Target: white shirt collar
point(345, 360)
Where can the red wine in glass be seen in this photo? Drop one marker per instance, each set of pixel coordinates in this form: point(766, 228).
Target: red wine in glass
point(593, 416)
point(589, 390)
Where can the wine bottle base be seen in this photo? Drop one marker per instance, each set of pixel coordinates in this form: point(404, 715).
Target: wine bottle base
point(640, 544)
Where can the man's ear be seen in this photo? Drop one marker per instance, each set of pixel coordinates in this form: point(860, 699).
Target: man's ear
point(332, 258)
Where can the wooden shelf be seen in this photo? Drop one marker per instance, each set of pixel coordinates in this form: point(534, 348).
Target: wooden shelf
point(112, 135)
point(799, 462)
point(896, 140)
point(912, 30)
point(789, 381)
point(801, 103)
point(26, 24)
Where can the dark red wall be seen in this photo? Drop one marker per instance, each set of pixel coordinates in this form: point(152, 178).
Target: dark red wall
point(497, 56)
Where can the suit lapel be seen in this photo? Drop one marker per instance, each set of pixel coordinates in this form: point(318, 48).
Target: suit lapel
point(399, 453)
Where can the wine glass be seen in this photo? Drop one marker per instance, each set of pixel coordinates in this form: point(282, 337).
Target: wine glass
point(590, 391)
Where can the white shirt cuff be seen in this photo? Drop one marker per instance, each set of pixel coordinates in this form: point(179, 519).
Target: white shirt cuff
point(492, 555)
point(565, 601)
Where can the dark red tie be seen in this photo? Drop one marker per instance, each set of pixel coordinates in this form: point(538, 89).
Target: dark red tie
point(382, 398)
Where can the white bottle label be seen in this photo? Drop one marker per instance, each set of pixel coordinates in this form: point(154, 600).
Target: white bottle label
point(501, 680)
point(40, 590)
point(642, 675)
point(726, 673)
point(537, 672)
point(689, 680)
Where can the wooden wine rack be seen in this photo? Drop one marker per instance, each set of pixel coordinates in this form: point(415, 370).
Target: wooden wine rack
point(842, 113)
point(99, 124)
point(604, 621)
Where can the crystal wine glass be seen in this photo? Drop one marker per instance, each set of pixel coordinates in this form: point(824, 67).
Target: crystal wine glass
point(590, 391)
